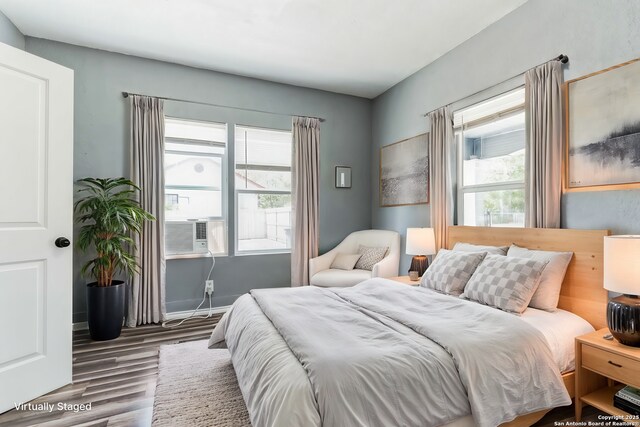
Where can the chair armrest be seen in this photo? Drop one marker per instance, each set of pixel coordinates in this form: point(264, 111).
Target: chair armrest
point(323, 262)
point(388, 267)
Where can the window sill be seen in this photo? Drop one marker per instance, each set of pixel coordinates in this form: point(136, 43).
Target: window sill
point(288, 251)
point(193, 256)
point(242, 254)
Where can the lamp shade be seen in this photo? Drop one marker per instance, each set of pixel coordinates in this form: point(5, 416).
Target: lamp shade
point(421, 241)
point(622, 264)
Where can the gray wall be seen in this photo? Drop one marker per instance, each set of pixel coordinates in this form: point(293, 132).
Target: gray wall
point(101, 148)
point(9, 33)
point(595, 34)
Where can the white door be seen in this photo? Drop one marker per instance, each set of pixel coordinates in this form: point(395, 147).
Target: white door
point(36, 185)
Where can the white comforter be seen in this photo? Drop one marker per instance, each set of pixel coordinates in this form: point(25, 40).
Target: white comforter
point(380, 354)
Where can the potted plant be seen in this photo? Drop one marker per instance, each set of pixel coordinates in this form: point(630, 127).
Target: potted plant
point(109, 215)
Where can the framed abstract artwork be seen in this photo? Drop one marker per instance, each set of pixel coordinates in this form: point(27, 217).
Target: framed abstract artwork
point(404, 172)
point(603, 129)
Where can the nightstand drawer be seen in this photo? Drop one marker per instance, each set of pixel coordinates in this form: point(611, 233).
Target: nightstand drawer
point(609, 364)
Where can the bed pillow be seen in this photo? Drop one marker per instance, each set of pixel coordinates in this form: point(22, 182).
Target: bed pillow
point(503, 282)
point(548, 293)
point(450, 271)
point(468, 247)
point(345, 261)
point(370, 256)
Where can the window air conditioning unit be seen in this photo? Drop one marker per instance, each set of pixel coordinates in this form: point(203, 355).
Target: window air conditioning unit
point(185, 237)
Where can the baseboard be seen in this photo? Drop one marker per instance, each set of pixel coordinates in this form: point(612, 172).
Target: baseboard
point(81, 326)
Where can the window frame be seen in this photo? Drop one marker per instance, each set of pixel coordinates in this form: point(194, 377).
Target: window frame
point(458, 132)
point(238, 191)
point(224, 188)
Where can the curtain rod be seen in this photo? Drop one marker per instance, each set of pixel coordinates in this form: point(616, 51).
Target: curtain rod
point(562, 58)
point(126, 95)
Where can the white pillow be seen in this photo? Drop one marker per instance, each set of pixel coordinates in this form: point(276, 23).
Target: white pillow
point(548, 293)
point(345, 261)
point(468, 247)
point(450, 271)
point(505, 282)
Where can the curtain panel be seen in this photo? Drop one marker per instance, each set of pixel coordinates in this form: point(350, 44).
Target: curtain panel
point(543, 158)
point(440, 143)
point(305, 190)
point(147, 290)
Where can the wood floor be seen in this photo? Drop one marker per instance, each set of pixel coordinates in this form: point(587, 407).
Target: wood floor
point(119, 377)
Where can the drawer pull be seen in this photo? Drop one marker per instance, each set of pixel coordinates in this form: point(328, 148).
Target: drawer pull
point(615, 364)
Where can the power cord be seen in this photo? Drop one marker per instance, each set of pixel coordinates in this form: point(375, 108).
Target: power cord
point(168, 323)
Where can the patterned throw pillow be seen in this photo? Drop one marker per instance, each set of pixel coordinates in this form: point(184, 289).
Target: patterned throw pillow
point(450, 271)
point(507, 283)
point(370, 257)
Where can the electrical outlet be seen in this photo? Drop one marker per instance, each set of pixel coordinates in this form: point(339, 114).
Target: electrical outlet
point(208, 286)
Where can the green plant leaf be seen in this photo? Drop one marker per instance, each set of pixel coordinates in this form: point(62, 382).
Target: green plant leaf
point(109, 213)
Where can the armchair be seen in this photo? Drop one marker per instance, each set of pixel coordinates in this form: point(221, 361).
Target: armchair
point(321, 273)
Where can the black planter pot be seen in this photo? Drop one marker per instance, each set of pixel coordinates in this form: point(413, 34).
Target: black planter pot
point(105, 310)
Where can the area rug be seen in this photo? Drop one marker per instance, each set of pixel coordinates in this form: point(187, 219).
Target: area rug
point(197, 387)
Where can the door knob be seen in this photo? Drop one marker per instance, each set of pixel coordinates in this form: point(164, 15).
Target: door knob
point(62, 242)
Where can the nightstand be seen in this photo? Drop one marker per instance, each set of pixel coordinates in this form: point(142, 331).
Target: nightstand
point(405, 280)
point(602, 368)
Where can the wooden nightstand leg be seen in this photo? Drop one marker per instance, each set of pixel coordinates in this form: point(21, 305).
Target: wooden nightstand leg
point(578, 404)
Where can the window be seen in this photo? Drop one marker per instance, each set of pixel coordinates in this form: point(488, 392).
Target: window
point(490, 137)
point(194, 173)
point(263, 190)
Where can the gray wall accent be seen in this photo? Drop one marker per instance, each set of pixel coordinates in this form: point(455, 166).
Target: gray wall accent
point(9, 33)
point(101, 148)
point(592, 33)
point(595, 34)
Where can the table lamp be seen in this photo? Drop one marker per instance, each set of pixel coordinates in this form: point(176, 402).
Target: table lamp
point(622, 275)
point(420, 243)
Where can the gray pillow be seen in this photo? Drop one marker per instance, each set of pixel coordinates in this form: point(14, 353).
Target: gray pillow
point(345, 261)
point(450, 271)
point(468, 247)
point(507, 283)
point(548, 293)
point(370, 256)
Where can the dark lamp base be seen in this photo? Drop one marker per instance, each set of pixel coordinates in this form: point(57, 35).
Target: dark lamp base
point(623, 318)
point(419, 263)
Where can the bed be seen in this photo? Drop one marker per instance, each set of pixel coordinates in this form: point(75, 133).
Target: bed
point(380, 354)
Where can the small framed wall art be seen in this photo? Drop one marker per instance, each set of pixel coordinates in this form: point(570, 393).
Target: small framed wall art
point(343, 177)
point(603, 129)
point(404, 172)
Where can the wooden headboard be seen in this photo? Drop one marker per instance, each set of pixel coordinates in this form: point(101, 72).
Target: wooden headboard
point(582, 291)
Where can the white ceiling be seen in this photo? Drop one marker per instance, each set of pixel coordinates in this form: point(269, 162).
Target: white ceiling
point(358, 47)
